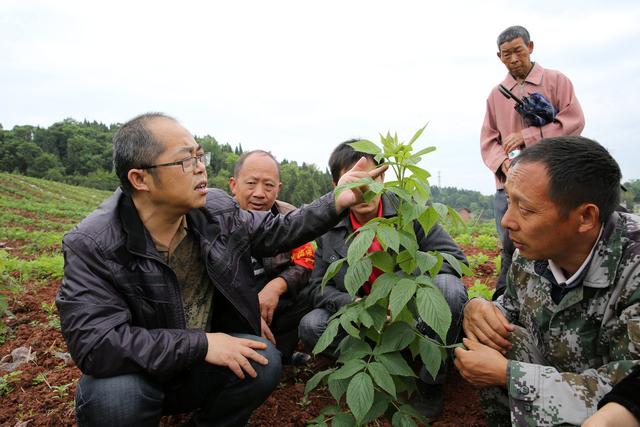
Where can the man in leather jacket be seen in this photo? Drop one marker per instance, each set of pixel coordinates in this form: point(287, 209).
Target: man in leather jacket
point(152, 304)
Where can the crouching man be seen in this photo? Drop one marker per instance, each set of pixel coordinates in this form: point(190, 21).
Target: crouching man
point(568, 325)
point(153, 304)
point(333, 246)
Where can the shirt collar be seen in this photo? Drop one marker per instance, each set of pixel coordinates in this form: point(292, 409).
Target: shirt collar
point(181, 232)
point(534, 77)
point(559, 275)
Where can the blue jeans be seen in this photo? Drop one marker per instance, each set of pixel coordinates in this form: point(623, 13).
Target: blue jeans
point(215, 395)
point(315, 322)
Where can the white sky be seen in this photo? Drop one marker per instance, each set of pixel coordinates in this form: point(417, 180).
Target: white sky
point(297, 77)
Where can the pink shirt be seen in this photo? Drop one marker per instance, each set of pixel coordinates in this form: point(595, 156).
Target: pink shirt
point(501, 119)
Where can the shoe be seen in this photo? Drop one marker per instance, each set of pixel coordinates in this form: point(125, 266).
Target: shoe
point(428, 399)
point(299, 358)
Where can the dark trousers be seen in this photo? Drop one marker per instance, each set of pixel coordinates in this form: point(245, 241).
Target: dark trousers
point(500, 208)
point(215, 395)
point(285, 323)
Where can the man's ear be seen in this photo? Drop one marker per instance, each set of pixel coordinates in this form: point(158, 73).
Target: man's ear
point(232, 185)
point(138, 179)
point(498, 55)
point(589, 217)
point(530, 46)
point(334, 183)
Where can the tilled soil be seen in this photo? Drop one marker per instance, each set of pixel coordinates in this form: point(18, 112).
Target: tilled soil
point(41, 392)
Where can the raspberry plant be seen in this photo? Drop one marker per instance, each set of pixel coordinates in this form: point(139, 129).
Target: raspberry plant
point(373, 374)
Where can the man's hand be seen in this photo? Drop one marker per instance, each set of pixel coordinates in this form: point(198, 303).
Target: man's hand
point(512, 142)
point(612, 415)
point(269, 297)
point(234, 353)
point(265, 331)
point(481, 365)
point(505, 166)
point(484, 322)
point(351, 197)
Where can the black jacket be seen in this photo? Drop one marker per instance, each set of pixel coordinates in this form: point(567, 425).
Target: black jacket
point(120, 305)
point(332, 246)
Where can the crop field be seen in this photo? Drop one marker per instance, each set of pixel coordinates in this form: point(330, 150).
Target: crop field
point(35, 214)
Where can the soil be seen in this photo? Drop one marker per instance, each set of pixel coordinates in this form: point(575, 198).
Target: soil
point(41, 392)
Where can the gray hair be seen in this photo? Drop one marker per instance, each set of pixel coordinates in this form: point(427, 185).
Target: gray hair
point(135, 147)
point(513, 33)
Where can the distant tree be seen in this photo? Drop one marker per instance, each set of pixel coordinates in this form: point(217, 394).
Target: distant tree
point(42, 164)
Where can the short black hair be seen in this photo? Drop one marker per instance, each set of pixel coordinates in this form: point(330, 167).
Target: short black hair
point(513, 33)
point(344, 156)
point(580, 170)
point(135, 147)
point(244, 156)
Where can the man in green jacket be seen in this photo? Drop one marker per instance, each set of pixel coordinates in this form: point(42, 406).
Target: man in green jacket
point(568, 326)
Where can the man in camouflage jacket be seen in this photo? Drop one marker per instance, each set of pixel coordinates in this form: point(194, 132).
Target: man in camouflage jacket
point(568, 326)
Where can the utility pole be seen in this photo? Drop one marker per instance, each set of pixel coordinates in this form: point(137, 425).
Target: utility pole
point(439, 181)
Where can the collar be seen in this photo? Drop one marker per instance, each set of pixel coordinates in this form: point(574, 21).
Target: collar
point(181, 233)
point(534, 77)
point(559, 275)
point(354, 221)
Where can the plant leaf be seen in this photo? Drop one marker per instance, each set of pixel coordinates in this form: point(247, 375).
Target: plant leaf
point(400, 295)
point(461, 268)
point(382, 377)
point(349, 369)
point(327, 336)
point(400, 419)
point(316, 379)
point(359, 246)
point(357, 274)
point(395, 338)
point(383, 261)
point(365, 146)
point(346, 322)
point(381, 288)
point(343, 420)
point(332, 270)
point(388, 237)
point(419, 173)
point(360, 395)
point(427, 219)
point(337, 388)
point(379, 315)
point(395, 364)
point(434, 310)
point(425, 261)
point(380, 405)
point(431, 356)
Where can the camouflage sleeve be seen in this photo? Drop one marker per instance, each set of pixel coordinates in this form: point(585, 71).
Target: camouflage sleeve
point(542, 395)
point(509, 302)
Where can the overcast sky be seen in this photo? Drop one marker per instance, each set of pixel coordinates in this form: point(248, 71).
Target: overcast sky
point(297, 78)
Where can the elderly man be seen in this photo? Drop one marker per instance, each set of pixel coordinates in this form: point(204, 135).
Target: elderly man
point(279, 279)
point(153, 305)
point(504, 130)
point(568, 325)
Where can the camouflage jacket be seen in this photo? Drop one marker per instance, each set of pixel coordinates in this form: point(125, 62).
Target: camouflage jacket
point(590, 340)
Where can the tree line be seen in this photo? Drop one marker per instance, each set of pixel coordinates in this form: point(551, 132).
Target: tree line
point(79, 153)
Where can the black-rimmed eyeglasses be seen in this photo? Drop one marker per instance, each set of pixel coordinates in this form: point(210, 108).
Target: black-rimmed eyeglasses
point(188, 164)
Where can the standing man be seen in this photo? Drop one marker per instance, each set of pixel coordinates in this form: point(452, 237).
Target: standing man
point(567, 327)
point(504, 130)
point(278, 279)
point(153, 304)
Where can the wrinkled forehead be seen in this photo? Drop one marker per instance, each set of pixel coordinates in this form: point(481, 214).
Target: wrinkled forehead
point(259, 165)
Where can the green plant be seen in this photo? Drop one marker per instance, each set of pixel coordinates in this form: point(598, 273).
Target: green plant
point(480, 290)
point(39, 379)
point(373, 376)
point(7, 380)
point(61, 391)
point(476, 260)
point(485, 241)
point(52, 314)
point(497, 262)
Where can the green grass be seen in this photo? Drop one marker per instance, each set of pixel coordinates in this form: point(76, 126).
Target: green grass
point(34, 215)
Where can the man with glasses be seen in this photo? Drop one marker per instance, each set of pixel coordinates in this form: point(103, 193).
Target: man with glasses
point(152, 304)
